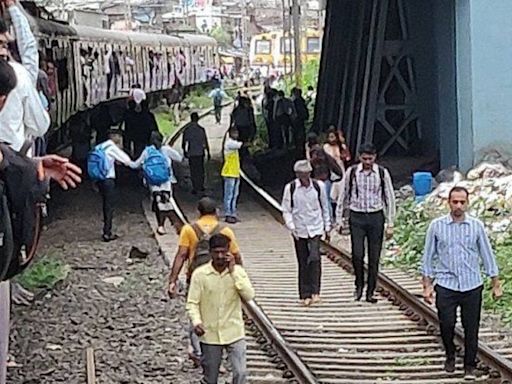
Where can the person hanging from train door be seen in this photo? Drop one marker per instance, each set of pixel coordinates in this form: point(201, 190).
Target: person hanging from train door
point(306, 215)
point(367, 191)
point(101, 169)
point(214, 305)
point(455, 246)
point(194, 145)
point(156, 162)
point(193, 251)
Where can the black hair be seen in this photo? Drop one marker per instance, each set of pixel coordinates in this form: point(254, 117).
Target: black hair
point(156, 139)
point(207, 206)
point(280, 93)
point(194, 117)
point(7, 78)
point(312, 138)
point(219, 241)
point(367, 148)
point(458, 189)
point(3, 26)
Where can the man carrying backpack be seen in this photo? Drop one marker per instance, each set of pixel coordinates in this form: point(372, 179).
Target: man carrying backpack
point(217, 95)
point(101, 169)
point(193, 246)
point(306, 214)
point(156, 161)
point(368, 193)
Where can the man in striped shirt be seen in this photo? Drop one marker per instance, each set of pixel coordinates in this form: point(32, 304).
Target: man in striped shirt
point(368, 193)
point(454, 247)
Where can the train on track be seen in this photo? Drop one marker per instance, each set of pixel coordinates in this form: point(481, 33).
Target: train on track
point(88, 66)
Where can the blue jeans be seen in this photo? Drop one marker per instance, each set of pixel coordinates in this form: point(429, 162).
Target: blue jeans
point(212, 357)
point(231, 189)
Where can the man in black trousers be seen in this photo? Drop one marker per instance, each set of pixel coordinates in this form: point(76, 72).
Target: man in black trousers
point(369, 196)
point(194, 145)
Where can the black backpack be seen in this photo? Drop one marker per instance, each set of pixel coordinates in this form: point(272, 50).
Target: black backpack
point(22, 196)
point(352, 171)
point(315, 185)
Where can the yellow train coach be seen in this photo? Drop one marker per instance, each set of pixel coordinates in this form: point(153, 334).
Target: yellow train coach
point(273, 51)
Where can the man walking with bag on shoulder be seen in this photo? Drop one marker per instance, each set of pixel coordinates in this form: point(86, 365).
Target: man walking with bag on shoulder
point(306, 214)
point(367, 190)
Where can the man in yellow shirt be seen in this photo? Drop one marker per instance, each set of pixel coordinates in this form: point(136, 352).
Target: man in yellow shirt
point(214, 305)
point(193, 248)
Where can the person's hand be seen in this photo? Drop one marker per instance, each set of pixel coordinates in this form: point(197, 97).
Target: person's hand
point(389, 232)
point(199, 330)
point(231, 262)
point(497, 291)
point(172, 290)
point(209, 157)
point(428, 293)
point(59, 169)
point(295, 235)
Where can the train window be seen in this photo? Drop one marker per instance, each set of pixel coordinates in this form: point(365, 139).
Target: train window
point(286, 45)
point(313, 45)
point(263, 47)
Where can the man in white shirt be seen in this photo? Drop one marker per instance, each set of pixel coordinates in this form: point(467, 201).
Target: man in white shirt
point(306, 214)
point(107, 187)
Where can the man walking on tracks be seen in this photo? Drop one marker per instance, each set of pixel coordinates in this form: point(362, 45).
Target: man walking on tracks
point(306, 215)
point(214, 305)
point(368, 193)
point(218, 96)
point(454, 246)
point(193, 247)
point(195, 143)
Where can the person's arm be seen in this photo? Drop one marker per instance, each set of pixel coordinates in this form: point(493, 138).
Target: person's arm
point(286, 206)
point(389, 194)
point(27, 44)
point(184, 143)
point(487, 254)
point(121, 156)
point(427, 264)
point(242, 283)
point(173, 154)
point(232, 145)
point(325, 208)
point(342, 202)
point(35, 117)
point(138, 163)
point(179, 260)
point(206, 145)
point(193, 301)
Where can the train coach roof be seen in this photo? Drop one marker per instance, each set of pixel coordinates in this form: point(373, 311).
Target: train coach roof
point(98, 34)
point(198, 39)
point(153, 39)
point(51, 28)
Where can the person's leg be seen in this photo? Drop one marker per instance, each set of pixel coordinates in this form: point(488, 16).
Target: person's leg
point(194, 172)
point(228, 195)
point(234, 198)
point(108, 204)
point(5, 311)
point(315, 267)
point(357, 236)
point(210, 360)
point(201, 173)
point(471, 305)
point(237, 357)
point(446, 303)
point(301, 250)
point(375, 236)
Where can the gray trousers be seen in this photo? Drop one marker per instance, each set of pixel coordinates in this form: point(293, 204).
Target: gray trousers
point(212, 356)
point(5, 309)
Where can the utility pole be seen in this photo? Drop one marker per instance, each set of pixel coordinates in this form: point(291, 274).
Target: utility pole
point(128, 14)
point(285, 36)
point(297, 37)
point(243, 27)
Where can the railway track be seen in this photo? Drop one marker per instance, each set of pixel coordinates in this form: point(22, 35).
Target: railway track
point(337, 341)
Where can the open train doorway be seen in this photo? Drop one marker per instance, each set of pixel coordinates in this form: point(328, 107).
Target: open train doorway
point(387, 76)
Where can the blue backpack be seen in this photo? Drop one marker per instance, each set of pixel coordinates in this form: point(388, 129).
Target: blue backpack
point(156, 167)
point(98, 164)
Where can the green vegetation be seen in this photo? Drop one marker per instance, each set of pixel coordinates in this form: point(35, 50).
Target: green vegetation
point(222, 37)
point(198, 99)
point(166, 123)
point(44, 274)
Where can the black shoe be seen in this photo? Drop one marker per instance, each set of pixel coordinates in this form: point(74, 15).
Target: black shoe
point(108, 238)
point(194, 192)
point(449, 364)
point(358, 293)
point(371, 299)
point(230, 220)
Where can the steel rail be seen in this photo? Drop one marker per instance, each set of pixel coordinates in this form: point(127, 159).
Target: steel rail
point(414, 308)
point(292, 360)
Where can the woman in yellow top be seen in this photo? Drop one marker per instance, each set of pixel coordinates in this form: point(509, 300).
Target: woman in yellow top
point(231, 174)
